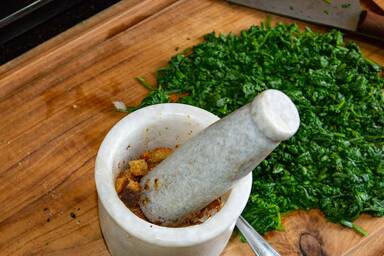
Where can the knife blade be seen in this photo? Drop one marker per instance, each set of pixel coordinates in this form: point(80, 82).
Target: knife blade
point(343, 14)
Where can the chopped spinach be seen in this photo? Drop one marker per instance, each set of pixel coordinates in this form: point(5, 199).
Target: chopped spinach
point(336, 160)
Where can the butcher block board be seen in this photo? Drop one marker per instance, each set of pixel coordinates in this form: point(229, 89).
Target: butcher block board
point(56, 107)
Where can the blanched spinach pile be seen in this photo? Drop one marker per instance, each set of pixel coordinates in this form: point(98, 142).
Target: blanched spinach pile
point(336, 160)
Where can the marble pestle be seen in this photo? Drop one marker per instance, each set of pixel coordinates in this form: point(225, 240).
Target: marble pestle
point(208, 165)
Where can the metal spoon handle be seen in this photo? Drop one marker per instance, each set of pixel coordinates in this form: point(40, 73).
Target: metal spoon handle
point(258, 244)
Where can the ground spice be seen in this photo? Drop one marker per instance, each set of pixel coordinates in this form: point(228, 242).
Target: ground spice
point(128, 187)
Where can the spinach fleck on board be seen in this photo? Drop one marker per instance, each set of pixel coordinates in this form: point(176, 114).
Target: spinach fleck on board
point(335, 162)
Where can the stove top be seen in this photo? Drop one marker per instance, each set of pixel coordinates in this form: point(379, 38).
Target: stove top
point(27, 23)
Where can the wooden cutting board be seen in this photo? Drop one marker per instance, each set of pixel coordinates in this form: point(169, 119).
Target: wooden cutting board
point(55, 105)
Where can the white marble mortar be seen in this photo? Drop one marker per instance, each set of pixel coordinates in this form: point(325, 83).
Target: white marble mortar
point(210, 163)
point(163, 125)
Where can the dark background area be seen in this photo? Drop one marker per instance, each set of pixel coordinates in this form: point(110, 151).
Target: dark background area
point(41, 24)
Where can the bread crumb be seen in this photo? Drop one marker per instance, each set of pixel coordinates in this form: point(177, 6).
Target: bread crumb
point(120, 183)
point(133, 186)
point(157, 155)
point(138, 167)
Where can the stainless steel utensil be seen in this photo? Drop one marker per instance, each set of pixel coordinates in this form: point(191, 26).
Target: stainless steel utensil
point(344, 14)
point(258, 244)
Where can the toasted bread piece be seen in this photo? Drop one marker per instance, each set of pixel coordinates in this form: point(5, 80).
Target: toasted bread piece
point(157, 155)
point(120, 183)
point(138, 167)
point(133, 186)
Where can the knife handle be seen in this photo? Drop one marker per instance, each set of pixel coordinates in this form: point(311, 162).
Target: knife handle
point(371, 24)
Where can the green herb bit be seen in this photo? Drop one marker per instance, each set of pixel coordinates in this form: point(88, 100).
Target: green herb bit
point(144, 83)
point(355, 227)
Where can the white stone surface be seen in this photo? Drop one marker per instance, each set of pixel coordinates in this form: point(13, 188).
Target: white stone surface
point(275, 115)
point(211, 163)
point(125, 233)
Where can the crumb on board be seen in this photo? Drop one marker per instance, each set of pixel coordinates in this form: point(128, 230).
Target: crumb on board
point(72, 215)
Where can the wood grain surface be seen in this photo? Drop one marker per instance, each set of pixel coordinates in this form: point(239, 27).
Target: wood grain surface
point(55, 105)
point(380, 4)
